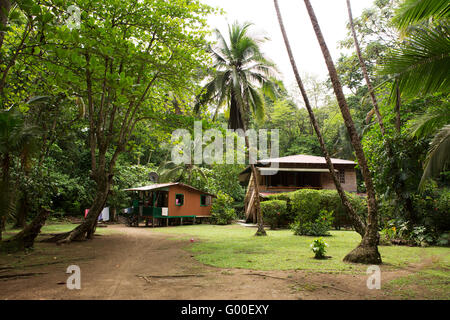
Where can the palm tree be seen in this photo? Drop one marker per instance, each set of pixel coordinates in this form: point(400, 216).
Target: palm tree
point(170, 171)
point(367, 251)
point(356, 220)
point(241, 69)
point(17, 139)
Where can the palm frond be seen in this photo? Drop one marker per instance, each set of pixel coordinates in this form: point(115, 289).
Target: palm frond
point(422, 64)
point(429, 122)
point(438, 156)
point(240, 70)
point(414, 11)
point(256, 103)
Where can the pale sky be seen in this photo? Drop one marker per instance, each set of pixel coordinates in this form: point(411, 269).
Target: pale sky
point(331, 14)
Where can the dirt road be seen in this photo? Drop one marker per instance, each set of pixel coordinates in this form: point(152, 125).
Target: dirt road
point(136, 263)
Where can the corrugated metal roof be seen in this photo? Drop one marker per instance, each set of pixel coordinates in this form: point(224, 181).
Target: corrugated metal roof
point(275, 170)
point(164, 185)
point(306, 159)
point(152, 187)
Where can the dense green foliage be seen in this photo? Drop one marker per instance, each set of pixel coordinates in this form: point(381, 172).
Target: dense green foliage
point(79, 105)
point(308, 205)
point(317, 227)
point(275, 213)
point(222, 211)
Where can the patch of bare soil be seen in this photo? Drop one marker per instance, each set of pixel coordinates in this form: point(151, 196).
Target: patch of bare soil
point(134, 263)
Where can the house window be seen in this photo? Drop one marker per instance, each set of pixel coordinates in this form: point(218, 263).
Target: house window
point(342, 176)
point(205, 200)
point(179, 199)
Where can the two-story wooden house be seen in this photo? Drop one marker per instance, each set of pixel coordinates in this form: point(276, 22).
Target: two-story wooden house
point(293, 173)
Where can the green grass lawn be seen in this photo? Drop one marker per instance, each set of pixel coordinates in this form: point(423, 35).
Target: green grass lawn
point(235, 246)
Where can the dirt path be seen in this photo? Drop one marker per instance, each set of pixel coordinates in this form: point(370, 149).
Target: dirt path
point(120, 266)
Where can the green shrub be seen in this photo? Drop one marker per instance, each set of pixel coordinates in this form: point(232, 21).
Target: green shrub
point(318, 227)
point(222, 211)
point(274, 213)
point(433, 207)
point(430, 221)
point(319, 247)
point(306, 204)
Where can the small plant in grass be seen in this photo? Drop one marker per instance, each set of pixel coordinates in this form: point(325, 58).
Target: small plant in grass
point(319, 247)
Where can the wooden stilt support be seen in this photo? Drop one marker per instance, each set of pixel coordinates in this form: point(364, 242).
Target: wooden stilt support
point(167, 222)
point(181, 221)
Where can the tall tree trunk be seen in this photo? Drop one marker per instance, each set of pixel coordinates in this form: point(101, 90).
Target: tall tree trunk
point(21, 213)
point(364, 70)
point(4, 192)
point(407, 202)
point(367, 251)
point(356, 220)
point(259, 217)
point(238, 121)
point(242, 124)
point(5, 6)
point(2, 226)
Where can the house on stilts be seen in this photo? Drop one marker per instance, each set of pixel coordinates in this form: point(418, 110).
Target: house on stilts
point(293, 173)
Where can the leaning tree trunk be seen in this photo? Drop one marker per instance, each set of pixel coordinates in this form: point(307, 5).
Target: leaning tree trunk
point(409, 208)
point(364, 70)
point(86, 230)
point(367, 251)
point(358, 224)
point(25, 239)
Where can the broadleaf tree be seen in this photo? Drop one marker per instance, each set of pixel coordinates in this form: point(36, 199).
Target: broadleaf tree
point(121, 62)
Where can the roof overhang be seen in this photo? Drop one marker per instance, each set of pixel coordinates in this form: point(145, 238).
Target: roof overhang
point(264, 169)
point(165, 186)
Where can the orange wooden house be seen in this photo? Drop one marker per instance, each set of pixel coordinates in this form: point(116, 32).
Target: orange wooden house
point(160, 202)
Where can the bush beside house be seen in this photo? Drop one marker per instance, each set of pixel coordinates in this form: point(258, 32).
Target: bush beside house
point(275, 213)
point(306, 205)
point(222, 211)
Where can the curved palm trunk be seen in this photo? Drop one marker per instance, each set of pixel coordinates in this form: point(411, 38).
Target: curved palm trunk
point(238, 121)
point(356, 220)
point(259, 218)
point(364, 70)
point(367, 251)
point(407, 201)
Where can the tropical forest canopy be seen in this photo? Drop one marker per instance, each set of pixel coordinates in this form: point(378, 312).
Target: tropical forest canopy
point(88, 109)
